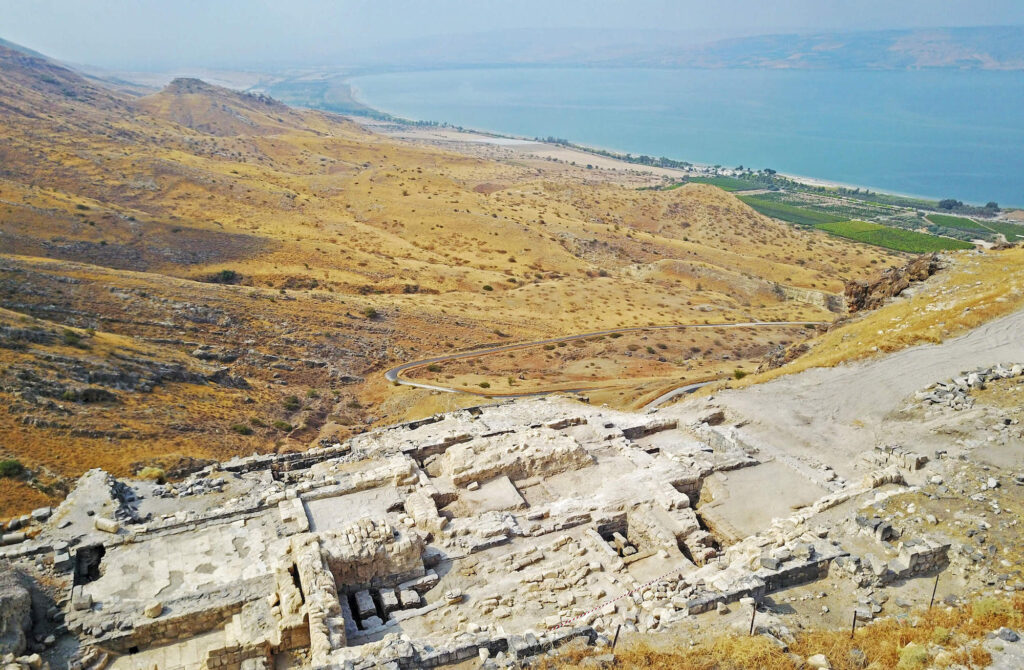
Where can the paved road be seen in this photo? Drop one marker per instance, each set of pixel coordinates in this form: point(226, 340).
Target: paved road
point(395, 373)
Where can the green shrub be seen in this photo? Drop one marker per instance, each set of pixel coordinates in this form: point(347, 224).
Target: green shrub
point(739, 374)
point(433, 367)
point(650, 350)
point(71, 338)
point(371, 313)
point(312, 393)
point(549, 347)
point(292, 403)
point(256, 421)
point(283, 425)
point(227, 277)
point(485, 385)
point(488, 287)
point(241, 429)
point(11, 468)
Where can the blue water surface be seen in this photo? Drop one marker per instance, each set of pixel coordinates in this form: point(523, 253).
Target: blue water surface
point(935, 133)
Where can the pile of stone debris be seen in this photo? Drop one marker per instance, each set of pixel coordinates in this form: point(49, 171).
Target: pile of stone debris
point(955, 392)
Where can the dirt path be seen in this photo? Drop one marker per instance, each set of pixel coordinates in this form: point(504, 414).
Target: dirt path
point(395, 373)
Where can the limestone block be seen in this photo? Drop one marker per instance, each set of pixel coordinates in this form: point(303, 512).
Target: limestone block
point(153, 609)
point(409, 598)
point(107, 525)
point(389, 601)
point(80, 600)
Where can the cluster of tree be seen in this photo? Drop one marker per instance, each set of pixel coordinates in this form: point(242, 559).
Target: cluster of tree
point(950, 205)
point(652, 161)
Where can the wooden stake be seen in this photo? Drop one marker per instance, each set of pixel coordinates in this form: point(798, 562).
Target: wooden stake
point(616, 639)
point(753, 613)
point(935, 588)
point(854, 623)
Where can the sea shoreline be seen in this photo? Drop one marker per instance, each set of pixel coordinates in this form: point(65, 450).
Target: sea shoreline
point(474, 135)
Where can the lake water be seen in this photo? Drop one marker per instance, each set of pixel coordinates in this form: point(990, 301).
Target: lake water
point(935, 133)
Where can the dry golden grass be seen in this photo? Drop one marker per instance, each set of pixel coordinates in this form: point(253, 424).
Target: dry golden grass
point(883, 644)
point(112, 207)
point(627, 366)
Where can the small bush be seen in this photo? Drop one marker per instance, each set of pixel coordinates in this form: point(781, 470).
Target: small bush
point(256, 421)
point(549, 347)
point(650, 350)
point(615, 335)
point(292, 403)
point(312, 393)
point(488, 287)
point(152, 473)
point(485, 385)
point(11, 468)
point(371, 313)
point(283, 425)
point(940, 635)
point(227, 277)
point(71, 338)
point(912, 657)
point(241, 429)
point(433, 367)
point(739, 374)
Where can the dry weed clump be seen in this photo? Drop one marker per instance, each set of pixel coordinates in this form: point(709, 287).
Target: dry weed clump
point(941, 637)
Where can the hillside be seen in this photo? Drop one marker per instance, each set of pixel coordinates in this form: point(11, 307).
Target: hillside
point(205, 230)
point(981, 47)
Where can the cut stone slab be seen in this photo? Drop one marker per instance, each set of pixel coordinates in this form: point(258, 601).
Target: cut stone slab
point(364, 605)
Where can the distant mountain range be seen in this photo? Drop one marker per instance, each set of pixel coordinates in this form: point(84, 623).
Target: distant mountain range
point(988, 48)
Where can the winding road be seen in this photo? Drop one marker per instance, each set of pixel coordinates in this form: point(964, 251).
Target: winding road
point(395, 374)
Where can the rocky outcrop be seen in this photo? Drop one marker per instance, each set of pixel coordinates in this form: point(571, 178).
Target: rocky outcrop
point(873, 292)
point(781, 354)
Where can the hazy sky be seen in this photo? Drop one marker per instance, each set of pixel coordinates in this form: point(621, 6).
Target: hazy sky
point(151, 34)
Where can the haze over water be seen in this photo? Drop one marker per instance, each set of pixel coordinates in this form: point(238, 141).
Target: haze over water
point(935, 133)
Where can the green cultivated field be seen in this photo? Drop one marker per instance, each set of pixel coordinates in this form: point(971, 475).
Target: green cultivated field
point(726, 183)
point(958, 222)
point(798, 215)
point(1012, 231)
point(892, 238)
